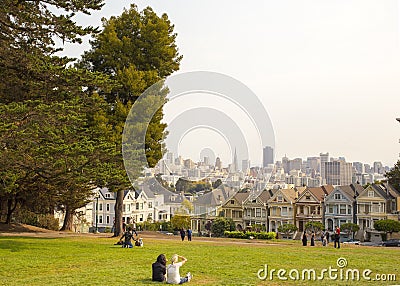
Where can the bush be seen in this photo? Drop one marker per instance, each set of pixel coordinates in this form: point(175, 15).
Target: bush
point(221, 224)
point(248, 234)
point(46, 221)
point(155, 226)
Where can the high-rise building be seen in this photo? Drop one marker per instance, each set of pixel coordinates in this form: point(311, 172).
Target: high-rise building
point(268, 156)
point(378, 168)
point(295, 164)
point(206, 161)
point(235, 165)
point(218, 164)
point(285, 164)
point(324, 159)
point(169, 158)
point(245, 166)
point(338, 172)
point(359, 167)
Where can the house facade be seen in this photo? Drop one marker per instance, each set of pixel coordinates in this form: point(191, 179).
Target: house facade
point(310, 205)
point(340, 206)
point(281, 208)
point(255, 210)
point(377, 202)
point(233, 209)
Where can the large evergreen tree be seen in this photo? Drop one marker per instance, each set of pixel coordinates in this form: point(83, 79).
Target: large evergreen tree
point(52, 144)
point(394, 176)
point(136, 49)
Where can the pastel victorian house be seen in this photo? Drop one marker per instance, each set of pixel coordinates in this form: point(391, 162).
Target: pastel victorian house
point(310, 204)
point(377, 202)
point(233, 209)
point(255, 210)
point(281, 208)
point(340, 206)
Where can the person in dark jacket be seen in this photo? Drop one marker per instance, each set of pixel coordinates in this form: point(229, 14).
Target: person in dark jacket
point(312, 239)
point(189, 234)
point(183, 233)
point(159, 269)
point(304, 239)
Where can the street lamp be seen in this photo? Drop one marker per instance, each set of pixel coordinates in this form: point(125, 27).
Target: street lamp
point(97, 211)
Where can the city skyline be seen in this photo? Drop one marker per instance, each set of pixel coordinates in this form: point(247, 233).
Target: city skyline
point(326, 72)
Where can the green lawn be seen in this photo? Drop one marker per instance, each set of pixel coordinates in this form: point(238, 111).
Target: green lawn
point(96, 261)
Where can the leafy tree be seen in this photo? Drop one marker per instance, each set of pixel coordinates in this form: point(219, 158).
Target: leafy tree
point(217, 183)
point(394, 176)
point(387, 225)
point(136, 49)
point(221, 224)
point(350, 227)
point(28, 30)
point(180, 221)
point(287, 228)
point(315, 226)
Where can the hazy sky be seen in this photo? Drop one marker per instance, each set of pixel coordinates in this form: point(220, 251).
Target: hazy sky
point(327, 72)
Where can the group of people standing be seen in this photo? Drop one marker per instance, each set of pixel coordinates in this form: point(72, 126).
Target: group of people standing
point(183, 234)
point(161, 272)
point(325, 236)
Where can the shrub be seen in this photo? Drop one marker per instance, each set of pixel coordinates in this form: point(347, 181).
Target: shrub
point(248, 234)
point(221, 224)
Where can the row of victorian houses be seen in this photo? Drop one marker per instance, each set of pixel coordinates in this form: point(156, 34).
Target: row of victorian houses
point(266, 210)
point(332, 206)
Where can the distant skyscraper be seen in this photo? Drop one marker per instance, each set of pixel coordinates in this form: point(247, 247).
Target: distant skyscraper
point(235, 165)
point(218, 164)
point(359, 167)
point(245, 166)
point(295, 164)
point(206, 161)
point(338, 173)
point(170, 158)
point(378, 168)
point(285, 164)
point(324, 159)
point(268, 156)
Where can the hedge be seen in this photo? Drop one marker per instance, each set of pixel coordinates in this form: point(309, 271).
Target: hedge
point(249, 234)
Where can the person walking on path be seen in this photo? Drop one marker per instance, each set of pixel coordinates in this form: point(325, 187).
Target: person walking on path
point(189, 234)
point(182, 232)
point(304, 238)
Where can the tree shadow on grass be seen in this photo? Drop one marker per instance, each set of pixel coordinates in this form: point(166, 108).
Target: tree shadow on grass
point(12, 245)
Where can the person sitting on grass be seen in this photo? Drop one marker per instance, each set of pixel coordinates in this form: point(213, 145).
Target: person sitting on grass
point(173, 276)
point(127, 237)
point(159, 269)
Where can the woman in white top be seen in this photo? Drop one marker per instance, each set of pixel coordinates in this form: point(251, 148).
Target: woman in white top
point(173, 276)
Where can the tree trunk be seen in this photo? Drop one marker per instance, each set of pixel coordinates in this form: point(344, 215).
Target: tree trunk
point(68, 220)
point(10, 209)
point(119, 202)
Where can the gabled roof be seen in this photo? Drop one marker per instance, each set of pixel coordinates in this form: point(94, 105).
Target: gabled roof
point(215, 197)
point(289, 195)
point(241, 197)
point(266, 195)
point(386, 190)
point(152, 187)
point(320, 192)
point(381, 189)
